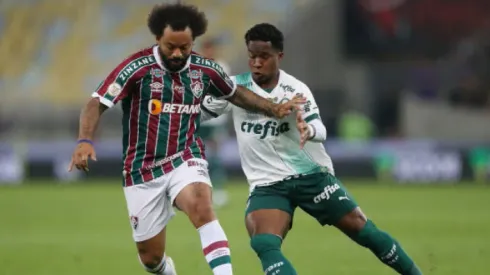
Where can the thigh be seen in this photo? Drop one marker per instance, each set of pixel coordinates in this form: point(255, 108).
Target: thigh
point(324, 197)
point(269, 210)
point(190, 172)
point(149, 208)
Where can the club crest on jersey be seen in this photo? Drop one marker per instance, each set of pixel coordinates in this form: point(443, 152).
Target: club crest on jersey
point(157, 73)
point(196, 74)
point(134, 222)
point(197, 88)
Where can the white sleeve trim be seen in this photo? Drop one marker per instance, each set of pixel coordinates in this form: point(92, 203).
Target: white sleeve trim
point(103, 100)
point(319, 131)
point(205, 116)
point(232, 92)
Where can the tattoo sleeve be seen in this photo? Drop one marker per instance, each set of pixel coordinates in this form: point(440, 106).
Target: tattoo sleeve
point(248, 100)
point(89, 118)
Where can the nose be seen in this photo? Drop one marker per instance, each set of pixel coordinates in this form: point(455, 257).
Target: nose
point(257, 63)
point(177, 53)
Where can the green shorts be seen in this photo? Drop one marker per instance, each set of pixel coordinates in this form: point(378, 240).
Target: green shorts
point(321, 195)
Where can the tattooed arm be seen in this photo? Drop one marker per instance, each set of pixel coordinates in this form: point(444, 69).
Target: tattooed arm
point(248, 100)
point(89, 118)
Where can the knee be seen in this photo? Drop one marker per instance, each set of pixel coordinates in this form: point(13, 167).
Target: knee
point(200, 212)
point(265, 242)
point(367, 234)
point(150, 260)
point(353, 222)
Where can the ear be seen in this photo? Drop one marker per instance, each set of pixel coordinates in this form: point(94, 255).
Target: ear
point(280, 55)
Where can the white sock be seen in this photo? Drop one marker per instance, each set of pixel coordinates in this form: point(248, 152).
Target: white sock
point(215, 248)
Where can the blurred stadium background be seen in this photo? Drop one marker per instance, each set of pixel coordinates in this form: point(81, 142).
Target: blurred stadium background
point(403, 87)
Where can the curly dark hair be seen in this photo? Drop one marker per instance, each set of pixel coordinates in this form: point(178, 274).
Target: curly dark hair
point(268, 33)
point(178, 17)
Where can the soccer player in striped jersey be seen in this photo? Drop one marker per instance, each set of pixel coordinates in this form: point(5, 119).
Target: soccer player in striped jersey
point(160, 89)
point(287, 166)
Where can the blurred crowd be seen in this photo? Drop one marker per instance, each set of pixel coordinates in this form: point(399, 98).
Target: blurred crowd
point(437, 50)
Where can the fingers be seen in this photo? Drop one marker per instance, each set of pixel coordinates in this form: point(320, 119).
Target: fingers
point(70, 166)
point(93, 156)
point(299, 117)
point(81, 156)
point(80, 161)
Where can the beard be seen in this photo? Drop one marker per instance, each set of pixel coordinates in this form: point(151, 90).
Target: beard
point(175, 64)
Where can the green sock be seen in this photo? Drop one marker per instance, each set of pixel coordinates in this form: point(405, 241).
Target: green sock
point(268, 249)
point(387, 249)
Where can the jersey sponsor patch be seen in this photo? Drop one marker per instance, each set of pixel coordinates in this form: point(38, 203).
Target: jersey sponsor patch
point(264, 130)
point(195, 74)
point(157, 73)
point(114, 89)
point(156, 107)
point(156, 87)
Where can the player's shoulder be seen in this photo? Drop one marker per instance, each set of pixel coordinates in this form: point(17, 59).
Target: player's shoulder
point(137, 61)
point(291, 80)
point(206, 64)
point(243, 79)
point(145, 54)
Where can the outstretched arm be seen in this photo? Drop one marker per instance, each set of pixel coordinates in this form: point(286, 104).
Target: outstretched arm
point(248, 100)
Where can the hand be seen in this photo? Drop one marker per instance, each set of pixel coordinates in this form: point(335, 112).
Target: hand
point(285, 109)
point(80, 156)
point(304, 130)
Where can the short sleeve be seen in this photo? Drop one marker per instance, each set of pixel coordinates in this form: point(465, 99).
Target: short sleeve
point(221, 85)
point(212, 107)
point(117, 85)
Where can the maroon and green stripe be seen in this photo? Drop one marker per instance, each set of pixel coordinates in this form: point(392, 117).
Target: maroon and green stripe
point(131, 109)
point(165, 122)
point(152, 130)
point(152, 138)
point(176, 119)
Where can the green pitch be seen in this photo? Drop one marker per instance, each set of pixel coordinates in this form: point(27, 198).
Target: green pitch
point(84, 229)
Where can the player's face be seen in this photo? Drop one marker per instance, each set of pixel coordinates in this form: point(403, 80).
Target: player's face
point(263, 61)
point(176, 47)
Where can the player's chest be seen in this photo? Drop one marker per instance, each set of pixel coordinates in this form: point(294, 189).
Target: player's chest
point(261, 127)
point(185, 87)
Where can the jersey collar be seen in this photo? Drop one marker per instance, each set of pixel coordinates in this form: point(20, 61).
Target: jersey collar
point(279, 81)
point(158, 58)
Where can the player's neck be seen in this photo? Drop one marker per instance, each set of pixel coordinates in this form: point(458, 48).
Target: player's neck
point(272, 83)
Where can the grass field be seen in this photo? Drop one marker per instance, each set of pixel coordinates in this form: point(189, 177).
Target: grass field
point(84, 229)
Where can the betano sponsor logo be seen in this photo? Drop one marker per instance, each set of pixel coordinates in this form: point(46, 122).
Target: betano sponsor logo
point(156, 107)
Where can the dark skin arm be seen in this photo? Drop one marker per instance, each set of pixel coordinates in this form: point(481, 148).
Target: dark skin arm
point(248, 100)
point(89, 120)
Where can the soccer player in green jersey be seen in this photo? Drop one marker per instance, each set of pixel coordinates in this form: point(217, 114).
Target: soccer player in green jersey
point(161, 89)
point(287, 166)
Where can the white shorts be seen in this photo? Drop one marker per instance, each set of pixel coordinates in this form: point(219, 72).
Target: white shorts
point(150, 204)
